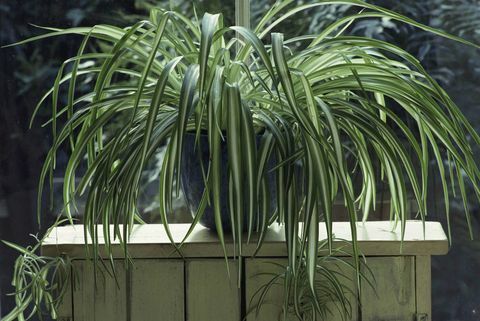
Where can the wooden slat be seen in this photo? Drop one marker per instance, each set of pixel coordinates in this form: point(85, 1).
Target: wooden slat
point(380, 238)
point(271, 309)
point(156, 290)
point(259, 272)
point(423, 285)
point(349, 281)
point(102, 301)
point(65, 310)
point(394, 296)
point(210, 293)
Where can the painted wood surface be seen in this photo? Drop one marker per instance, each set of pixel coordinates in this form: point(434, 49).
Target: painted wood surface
point(150, 290)
point(161, 286)
point(259, 274)
point(255, 280)
point(393, 298)
point(156, 291)
point(423, 282)
point(376, 238)
point(211, 294)
point(153, 289)
point(65, 311)
point(101, 300)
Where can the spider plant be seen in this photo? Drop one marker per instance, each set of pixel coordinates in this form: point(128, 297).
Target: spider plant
point(334, 105)
point(40, 282)
point(332, 287)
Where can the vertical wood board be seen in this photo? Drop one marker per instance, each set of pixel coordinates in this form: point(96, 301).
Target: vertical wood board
point(260, 271)
point(271, 308)
point(156, 290)
point(149, 290)
point(210, 293)
point(423, 285)
point(65, 309)
point(393, 298)
point(103, 301)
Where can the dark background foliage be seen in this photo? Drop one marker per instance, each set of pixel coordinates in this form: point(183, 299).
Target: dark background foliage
point(27, 71)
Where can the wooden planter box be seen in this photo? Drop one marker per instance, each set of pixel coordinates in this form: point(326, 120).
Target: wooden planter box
point(163, 286)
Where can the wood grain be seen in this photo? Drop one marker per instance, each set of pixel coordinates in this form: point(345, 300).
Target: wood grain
point(423, 286)
point(255, 279)
point(393, 298)
point(211, 293)
point(259, 272)
point(156, 291)
point(150, 241)
point(65, 309)
point(102, 300)
point(161, 286)
point(148, 290)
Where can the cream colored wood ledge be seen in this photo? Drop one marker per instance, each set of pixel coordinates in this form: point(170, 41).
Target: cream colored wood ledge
point(376, 238)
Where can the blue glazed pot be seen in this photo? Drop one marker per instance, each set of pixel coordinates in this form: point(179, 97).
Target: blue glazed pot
point(193, 183)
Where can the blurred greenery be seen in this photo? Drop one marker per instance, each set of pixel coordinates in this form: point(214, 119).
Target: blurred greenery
point(26, 72)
